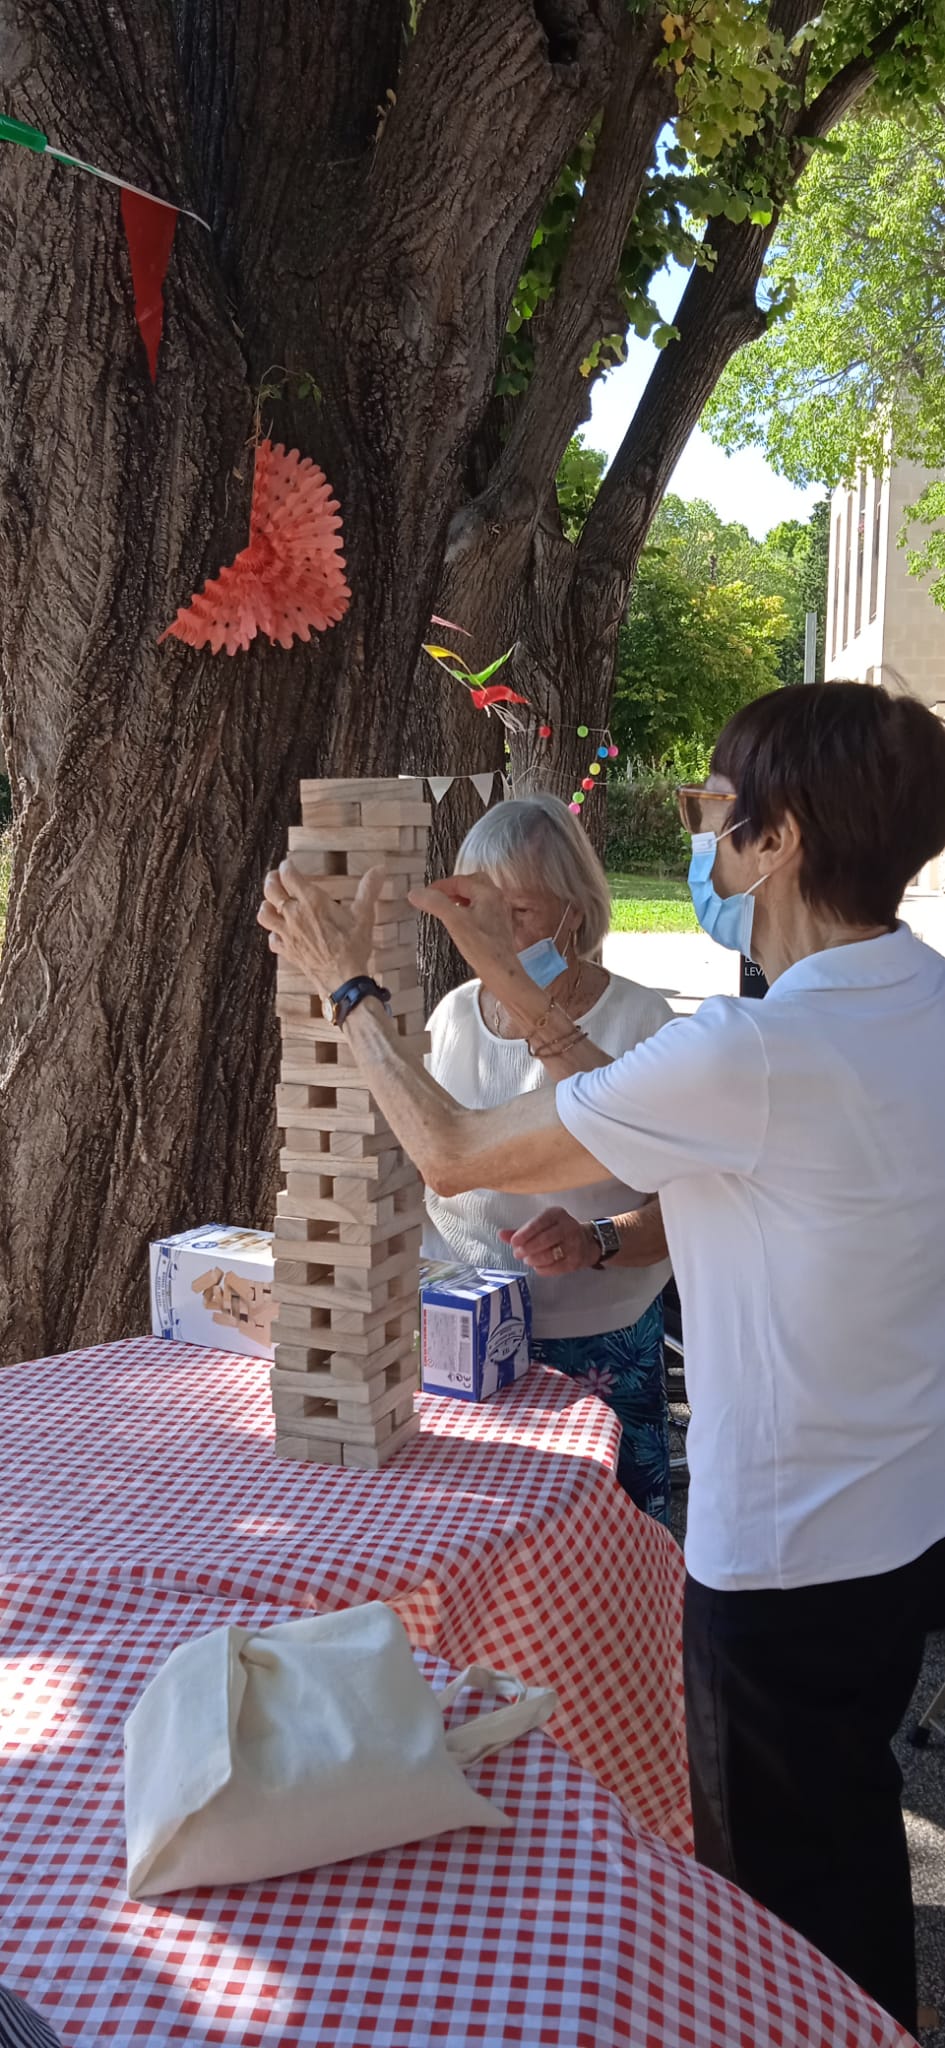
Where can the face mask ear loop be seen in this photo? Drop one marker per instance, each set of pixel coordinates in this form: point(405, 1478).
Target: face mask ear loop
point(571, 935)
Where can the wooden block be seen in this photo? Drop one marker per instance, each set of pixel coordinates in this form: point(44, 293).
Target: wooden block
point(369, 1165)
point(372, 789)
point(398, 1352)
point(368, 1458)
point(385, 1255)
point(343, 1289)
point(297, 1108)
point(395, 1402)
point(340, 1182)
point(351, 1333)
point(359, 1332)
point(295, 1205)
point(340, 816)
point(396, 958)
point(361, 1389)
point(394, 1361)
point(418, 815)
point(314, 1450)
point(363, 839)
point(403, 860)
point(323, 1425)
point(342, 888)
point(316, 1197)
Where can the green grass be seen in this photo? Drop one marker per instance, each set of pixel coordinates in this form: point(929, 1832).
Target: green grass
point(651, 903)
point(4, 879)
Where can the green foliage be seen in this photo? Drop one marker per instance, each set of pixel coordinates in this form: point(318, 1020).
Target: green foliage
point(641, 904)
point(578, 482)
point(643, 828)
point(864, 350)
point(724, 154)
point(709, 616)
point(929, 559)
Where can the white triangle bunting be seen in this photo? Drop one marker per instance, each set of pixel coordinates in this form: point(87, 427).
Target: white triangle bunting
point(438, 786)
point(482, 785)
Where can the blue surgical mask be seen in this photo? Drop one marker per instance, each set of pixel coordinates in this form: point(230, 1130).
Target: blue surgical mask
point(543, 961)
point(727, 919)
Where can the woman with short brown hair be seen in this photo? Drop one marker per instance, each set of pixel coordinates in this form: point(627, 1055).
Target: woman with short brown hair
point(798, 1149)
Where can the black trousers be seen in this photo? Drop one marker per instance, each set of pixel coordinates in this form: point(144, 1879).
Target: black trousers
point(792, 1700)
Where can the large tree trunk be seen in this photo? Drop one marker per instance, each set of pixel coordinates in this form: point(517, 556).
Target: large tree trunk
point(153, 786)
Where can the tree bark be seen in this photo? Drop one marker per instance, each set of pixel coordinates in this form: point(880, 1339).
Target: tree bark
point(152, 787)
point(378, 254)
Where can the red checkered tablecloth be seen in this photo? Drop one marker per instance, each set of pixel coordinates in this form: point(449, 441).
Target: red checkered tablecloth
point(569, 1930)
point(500, 1536)
point(126, 1532)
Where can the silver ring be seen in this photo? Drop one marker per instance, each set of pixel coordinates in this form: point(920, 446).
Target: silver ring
point(557, 1252)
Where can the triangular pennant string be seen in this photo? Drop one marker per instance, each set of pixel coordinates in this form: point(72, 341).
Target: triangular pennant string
point(149, 231)
point(482, 785)
point(33, 139)
point(438, 786)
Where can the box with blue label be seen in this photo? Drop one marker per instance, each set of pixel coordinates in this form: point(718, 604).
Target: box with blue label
point(475, 1331)
point(213, 1286)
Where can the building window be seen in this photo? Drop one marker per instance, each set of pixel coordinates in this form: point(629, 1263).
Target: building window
point(860, 551)
point(848, 550)
point(874, 558)
point(836, 590)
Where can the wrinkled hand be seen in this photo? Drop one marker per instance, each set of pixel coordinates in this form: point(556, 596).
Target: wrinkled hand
point(478, 922)
point(555, 1230)
point(327, 942)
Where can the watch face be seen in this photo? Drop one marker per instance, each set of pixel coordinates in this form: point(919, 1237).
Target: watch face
point(328, 1009)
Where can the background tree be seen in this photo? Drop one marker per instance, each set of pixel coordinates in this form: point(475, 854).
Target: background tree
point(440, 221)
point(861, 255)
point(699, 640)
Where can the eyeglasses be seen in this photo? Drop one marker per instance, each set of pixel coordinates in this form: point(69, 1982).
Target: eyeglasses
point(698, 806)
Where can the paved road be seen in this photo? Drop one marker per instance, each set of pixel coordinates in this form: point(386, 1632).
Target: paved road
point(687, 967)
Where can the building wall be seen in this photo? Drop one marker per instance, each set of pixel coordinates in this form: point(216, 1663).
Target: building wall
point(882, 626)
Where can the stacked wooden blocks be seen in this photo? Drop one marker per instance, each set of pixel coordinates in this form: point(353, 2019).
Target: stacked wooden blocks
point(349, 1221)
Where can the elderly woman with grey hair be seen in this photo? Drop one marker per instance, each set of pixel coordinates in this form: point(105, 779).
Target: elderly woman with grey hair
point(597, 1256)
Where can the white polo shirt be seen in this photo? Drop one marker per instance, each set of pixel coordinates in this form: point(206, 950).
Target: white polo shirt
point(798, 1145)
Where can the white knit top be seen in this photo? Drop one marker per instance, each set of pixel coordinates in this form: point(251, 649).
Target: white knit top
point(482, 1071)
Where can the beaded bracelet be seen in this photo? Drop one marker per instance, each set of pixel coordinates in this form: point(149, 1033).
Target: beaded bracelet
point(555, 1048)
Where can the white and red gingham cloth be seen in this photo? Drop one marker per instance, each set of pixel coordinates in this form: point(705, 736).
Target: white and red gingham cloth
point(140, 1507)
point(500, 1535)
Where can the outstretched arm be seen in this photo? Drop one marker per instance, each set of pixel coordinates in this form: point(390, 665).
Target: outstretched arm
point(521, 1147)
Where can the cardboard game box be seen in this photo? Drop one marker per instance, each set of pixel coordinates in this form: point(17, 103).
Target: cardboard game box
point(475, 1331)
point(213, 1286)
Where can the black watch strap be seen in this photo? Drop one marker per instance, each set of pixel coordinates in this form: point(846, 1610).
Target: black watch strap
point(605, 1231)
point(346, 998)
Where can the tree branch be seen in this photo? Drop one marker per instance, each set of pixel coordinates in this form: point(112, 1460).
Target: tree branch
point(638, 103)
point(842, 93)
point(717, 315)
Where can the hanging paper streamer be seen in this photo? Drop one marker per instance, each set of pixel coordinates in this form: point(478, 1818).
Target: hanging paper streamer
point(487, 697)
point(291, 576)
point(149, 232)
point(606, 751)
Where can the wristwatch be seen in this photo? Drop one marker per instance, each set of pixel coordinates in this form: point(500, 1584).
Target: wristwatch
point(337, 1008)
point(608, 1242)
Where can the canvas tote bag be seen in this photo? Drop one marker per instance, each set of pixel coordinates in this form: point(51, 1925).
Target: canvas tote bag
point(258, 1752)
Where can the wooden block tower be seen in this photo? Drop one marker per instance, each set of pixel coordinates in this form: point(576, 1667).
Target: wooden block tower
point(348, 1225)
